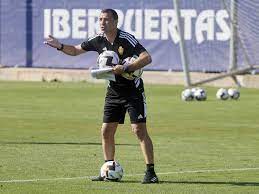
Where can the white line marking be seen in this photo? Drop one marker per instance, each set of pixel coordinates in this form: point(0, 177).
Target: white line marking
point(49, 179)
point(129, 175)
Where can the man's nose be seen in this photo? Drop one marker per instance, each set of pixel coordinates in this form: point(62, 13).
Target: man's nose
point(101, 21)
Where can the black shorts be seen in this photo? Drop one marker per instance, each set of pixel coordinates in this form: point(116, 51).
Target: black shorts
point(116, 108)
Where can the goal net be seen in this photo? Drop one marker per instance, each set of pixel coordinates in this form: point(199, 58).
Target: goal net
point(225, 38)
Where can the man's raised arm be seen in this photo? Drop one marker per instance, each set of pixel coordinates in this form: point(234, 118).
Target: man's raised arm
point(67, 49)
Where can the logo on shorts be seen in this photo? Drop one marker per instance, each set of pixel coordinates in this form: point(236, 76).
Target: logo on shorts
point(140, 117)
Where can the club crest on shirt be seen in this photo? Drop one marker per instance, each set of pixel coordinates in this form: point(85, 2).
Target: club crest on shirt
point(121, 50)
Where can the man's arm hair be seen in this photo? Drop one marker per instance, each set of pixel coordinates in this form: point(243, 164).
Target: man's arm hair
point(72, 50)
point(67, 49)
point(143, 60)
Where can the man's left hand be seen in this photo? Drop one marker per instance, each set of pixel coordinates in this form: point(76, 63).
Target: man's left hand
point(118, 69)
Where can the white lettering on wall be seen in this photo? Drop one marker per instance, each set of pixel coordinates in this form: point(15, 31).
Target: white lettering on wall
point(79, 23)
point(93, 22)
point(221, 17)
point(61, 27)
point(134, 17)
point(205, 23)
point(149, 24)
point(121, 18)
point(188, 15)
point(47, 22)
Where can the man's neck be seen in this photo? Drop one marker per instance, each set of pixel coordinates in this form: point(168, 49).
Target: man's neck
point(111, 35)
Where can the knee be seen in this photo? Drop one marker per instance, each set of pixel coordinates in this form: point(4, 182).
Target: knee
point(139, 132)
point(107, 133)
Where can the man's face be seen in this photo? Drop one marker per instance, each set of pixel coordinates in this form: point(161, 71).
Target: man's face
point(107, 23)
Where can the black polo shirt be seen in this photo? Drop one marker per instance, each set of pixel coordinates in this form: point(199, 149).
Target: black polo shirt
point(125, 45)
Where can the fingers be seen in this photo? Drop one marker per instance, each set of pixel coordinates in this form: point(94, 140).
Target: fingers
point(118, 69)
point(51, 41)
point(51, 37)
point(47, 43)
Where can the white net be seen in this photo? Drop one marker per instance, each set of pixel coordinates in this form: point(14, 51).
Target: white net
point(208, 43)
point(248, 28)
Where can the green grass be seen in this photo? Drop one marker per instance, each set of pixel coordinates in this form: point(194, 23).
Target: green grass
point(52, 130)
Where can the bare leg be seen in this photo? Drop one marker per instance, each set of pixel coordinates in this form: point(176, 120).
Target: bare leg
point(146, 144)
point(108, 142)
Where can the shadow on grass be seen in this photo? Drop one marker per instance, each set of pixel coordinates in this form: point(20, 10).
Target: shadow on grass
point(65, 143)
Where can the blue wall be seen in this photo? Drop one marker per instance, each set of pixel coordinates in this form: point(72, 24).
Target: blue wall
point(24, 24)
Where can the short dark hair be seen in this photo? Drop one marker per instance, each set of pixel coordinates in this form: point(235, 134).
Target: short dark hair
point(112, 11)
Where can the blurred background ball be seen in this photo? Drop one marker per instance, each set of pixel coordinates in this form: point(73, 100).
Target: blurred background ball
point(222, 94)
point(200, 94)
point(187, 95)
point(233, 93)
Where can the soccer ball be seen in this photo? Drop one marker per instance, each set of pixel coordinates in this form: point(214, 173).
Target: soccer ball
point(136, 74)
point(111, 171)
point(107, 59)
point(187, 95)
point(222, 94)
point(133, 75)
point(193, 90)
point(233, 93)
point(200, 94)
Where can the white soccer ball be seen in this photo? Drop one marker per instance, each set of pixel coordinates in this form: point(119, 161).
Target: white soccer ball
point(187, 95)
point(193, 90)
point(107, 59)
point(200, 94)
point(111, 171)
point(136, 74)
point(233, 93)
point(222, 94)
point(131, 76)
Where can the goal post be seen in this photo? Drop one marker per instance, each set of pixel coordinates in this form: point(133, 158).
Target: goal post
point(184, 57)
point(235, 56)
point(233, 36)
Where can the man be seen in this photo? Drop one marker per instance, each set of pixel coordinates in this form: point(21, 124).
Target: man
point(122, 94)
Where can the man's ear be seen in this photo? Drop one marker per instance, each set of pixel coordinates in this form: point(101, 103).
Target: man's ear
point(116, 22)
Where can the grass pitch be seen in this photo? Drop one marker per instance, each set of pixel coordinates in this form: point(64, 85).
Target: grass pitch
point(50, 141)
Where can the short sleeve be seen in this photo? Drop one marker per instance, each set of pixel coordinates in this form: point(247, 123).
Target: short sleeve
point(139, 49)
point(90, 44)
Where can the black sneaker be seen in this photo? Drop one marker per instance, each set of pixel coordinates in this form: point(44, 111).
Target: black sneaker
point(149, 178)
point(97, 178)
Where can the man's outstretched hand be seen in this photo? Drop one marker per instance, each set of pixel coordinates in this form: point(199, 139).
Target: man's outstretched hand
point(53, 42)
